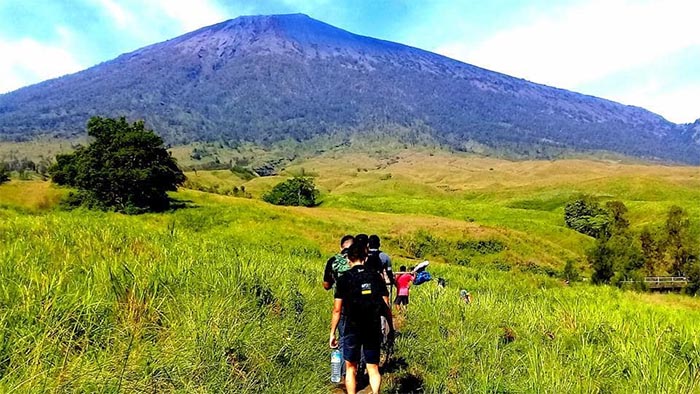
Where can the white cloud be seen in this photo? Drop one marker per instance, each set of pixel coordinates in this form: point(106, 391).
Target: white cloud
point(586, 42)
point(149, 19)
point(191, 15)
point(679, 105)
point(31, 62)
point(27, 61)
point(572, 46)
point(122, 17)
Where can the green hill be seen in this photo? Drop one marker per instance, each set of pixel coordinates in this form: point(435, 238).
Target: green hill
point(225, 295)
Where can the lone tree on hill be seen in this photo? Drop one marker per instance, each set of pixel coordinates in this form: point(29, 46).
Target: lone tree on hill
point(125, 168)
point(298, 191)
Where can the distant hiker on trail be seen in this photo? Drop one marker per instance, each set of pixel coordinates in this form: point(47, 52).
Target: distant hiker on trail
point(380, 262)
point(360, 296)
point(403, 283)
point(338, 264)
point(465, 296)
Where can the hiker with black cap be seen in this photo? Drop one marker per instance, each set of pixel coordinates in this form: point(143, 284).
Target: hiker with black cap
point(380, 262)
point(361, 297)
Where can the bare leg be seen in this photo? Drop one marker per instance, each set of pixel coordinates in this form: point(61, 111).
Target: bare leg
point(375, 379)
point(350, 383)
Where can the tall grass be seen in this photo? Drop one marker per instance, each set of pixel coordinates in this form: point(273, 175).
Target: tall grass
point(225, 296)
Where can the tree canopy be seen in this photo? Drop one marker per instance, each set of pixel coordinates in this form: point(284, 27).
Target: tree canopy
point(297, 191)
point(125, 168)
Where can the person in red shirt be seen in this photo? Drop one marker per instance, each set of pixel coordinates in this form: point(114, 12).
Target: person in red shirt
point(403, 283)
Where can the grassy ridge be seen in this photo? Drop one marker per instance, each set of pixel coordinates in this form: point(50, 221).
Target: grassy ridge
point(225, 296)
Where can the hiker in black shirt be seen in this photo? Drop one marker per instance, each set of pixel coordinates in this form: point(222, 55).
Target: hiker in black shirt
point(361, 297)
point(380, 262)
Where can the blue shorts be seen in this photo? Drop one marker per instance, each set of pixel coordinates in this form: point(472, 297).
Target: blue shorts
point(356, 342)
point(368, 344)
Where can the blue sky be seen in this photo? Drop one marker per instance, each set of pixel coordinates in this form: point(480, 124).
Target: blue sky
point(638, 52)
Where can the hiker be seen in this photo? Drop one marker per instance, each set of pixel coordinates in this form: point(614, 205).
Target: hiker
point(465, 296)
point(360, 296)
point(403, 283)
point(380, 262)
point(337, 263)
point(336, 266)
point(363, 240)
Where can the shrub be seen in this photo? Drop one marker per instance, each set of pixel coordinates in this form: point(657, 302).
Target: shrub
point(586, 216)
point(571, 273)
point(4, 174)
point(297, 191)
point(693, 274)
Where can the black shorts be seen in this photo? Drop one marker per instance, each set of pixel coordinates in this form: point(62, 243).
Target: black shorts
point(401, 300)
point(355, 342)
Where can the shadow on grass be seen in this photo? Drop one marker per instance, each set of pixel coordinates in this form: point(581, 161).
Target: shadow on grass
point(409, 384)
point(393, 365)
point(176, 205)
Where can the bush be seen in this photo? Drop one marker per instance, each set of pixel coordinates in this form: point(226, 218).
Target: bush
point(586, 216)
point(125, 168)
point(298, 191)
point(4, 174)
point(693, 274)
point(571, 273)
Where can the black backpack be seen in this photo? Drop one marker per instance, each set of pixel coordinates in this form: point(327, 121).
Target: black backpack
point(365, 305)
point(373, 262)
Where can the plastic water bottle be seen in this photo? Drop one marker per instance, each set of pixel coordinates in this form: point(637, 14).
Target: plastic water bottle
point(336, 362)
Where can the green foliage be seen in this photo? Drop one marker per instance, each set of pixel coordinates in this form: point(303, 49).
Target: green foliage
point(4, 173)
point(653, 248)
point(601, 258)
point(586, 216)
point(570, 272)
point(617, 211)
point(297, 191)
point(627, 252)
point(618, 254)
point(125, 168)
point(678, 242)
point(693, 274)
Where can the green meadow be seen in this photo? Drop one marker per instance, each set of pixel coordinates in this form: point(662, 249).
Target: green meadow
point(224, 294)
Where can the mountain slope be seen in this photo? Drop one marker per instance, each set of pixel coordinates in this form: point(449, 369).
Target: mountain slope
point(270, 78)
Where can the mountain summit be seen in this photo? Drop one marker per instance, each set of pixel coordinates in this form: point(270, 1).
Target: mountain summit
point(276, 77)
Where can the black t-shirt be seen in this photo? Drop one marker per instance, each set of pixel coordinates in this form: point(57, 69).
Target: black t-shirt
point(361, 291)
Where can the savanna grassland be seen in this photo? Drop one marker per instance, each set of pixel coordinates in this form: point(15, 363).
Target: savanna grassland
point(224, 295)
